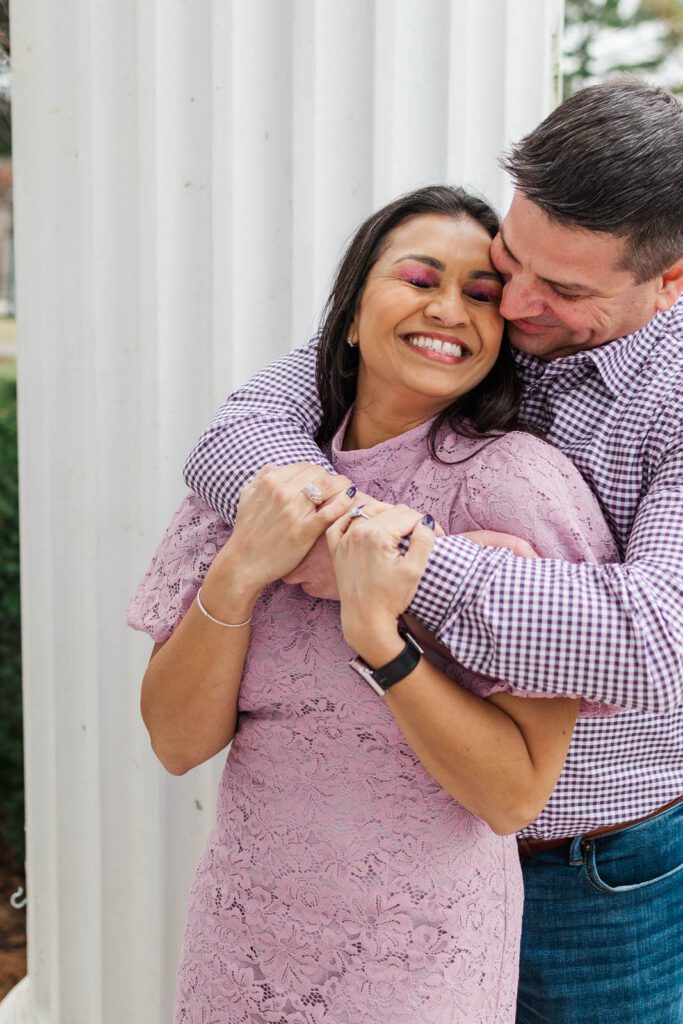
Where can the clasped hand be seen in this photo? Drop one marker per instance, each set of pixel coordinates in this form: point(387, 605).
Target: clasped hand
point(277, 524)
point(280, 534)
point(376, 577)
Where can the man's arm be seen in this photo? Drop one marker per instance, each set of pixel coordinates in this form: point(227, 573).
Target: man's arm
point(273, 418)
point(613, 633)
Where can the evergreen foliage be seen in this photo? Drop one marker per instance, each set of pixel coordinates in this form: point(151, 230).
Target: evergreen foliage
point(11, 746)
point(627, 25)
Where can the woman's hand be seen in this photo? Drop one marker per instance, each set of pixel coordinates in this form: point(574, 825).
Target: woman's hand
point(315, 573)
point(376, 581)
point(277, 524)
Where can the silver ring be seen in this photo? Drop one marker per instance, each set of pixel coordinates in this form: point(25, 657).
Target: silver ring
point(313, 494)
point(358, 513)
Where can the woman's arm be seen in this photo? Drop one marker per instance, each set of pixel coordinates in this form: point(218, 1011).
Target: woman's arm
point(190, 688)
point(499, 756)
point(189, 691)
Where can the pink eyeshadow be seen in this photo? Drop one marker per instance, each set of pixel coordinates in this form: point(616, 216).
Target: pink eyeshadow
point(413, 273)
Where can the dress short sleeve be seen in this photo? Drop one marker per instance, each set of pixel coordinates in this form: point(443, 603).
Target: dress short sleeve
point(192, 540)
point(524, 486)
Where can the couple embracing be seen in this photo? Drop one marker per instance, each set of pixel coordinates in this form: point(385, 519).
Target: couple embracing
point(443, 629)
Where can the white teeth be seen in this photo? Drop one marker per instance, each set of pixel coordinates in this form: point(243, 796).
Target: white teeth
point(447, 347)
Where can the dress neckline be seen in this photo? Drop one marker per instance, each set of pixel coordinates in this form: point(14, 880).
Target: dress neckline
point(409, 441)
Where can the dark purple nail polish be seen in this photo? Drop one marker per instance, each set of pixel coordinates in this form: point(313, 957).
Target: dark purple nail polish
point(429, 521)
point(351, 491)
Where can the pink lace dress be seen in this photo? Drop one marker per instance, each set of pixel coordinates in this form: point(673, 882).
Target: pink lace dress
point(340, 883)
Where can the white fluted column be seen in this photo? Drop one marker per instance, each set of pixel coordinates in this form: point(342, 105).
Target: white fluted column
point(186, 174)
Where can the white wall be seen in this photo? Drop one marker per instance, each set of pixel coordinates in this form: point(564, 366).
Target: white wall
point(186, 173)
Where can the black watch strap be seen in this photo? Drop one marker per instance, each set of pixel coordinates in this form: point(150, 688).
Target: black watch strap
point(382, 679)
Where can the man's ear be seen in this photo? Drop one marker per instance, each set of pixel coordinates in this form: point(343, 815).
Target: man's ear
point(670, 287)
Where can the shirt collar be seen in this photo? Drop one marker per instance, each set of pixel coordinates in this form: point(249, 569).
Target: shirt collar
point(618, 362)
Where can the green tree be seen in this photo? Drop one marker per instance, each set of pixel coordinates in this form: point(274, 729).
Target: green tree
point(11, 753)
point(644, 37)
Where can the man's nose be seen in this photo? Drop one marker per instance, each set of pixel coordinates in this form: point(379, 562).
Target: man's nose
point(520, 300)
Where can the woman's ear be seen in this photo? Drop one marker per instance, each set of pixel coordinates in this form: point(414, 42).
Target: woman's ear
point(352, 336)
point(670, 287)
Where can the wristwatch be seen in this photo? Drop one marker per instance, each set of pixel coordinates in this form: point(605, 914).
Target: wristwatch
point(382, 679)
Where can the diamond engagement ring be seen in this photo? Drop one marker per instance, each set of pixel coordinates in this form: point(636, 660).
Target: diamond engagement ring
point(313, 494)
point(358, 513)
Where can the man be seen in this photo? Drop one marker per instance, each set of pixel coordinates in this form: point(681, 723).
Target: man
point(591, 252)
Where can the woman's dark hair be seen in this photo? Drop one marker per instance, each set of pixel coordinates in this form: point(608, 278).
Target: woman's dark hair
point(489, 408)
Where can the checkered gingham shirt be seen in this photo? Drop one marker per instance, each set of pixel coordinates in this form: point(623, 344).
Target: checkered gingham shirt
point(613, 633)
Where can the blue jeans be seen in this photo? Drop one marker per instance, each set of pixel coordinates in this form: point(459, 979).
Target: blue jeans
point(602, 938)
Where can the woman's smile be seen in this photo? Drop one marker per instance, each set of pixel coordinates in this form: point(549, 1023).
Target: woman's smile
point(437, 347)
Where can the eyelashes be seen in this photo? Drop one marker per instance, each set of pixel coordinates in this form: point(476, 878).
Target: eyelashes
point(418, 279)
point(424, 280)
point(483, 296)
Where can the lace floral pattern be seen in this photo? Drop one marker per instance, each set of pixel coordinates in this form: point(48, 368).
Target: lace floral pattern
point(340, 882)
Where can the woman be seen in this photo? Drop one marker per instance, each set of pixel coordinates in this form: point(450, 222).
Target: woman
point(347, 878)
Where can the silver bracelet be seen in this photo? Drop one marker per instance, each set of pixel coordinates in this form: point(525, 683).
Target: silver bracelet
point(225, 625)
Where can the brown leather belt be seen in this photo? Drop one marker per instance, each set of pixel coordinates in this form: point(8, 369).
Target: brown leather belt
point(530, 847)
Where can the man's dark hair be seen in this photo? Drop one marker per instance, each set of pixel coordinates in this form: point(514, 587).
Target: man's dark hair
point(610, 159)
point(492, 406)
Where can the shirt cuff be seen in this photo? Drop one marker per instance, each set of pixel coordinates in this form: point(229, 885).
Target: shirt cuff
point(443, 581)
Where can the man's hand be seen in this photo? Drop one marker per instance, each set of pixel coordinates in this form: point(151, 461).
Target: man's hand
point(491, 539)
point(315, 574)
